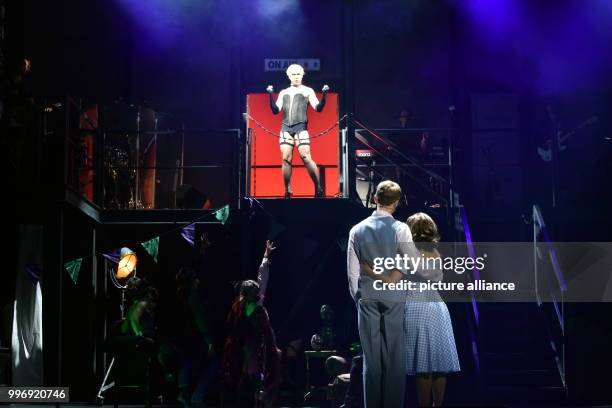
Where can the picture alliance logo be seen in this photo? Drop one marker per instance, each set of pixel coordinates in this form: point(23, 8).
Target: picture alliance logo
point(459, 265)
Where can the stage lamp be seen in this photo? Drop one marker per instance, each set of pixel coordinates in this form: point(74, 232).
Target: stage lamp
point(127, 263)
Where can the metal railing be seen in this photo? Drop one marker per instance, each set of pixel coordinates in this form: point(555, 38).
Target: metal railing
point(130, 157)
point(549, 279)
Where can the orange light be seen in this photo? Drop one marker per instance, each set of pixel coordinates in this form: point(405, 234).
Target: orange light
point(127, 263)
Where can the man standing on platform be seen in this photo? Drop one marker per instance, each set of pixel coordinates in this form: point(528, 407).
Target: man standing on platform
point(380, 312)
point(293, 101)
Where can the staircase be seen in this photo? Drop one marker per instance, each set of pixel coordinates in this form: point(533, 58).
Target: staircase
point(517, 360)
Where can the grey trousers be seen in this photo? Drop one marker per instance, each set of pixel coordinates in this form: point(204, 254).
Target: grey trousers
point(381, 331)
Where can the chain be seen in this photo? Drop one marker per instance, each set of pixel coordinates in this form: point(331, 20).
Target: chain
point(276, 135)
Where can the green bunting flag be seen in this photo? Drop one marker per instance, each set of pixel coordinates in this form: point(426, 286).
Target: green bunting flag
point(73, 268)
point(222, 214)
point(152, 247)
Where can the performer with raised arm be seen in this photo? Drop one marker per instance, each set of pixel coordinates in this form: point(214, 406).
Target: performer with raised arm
point(251, 360)
point(293, 102)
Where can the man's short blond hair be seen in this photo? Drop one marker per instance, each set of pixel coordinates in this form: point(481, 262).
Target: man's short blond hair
point(294, 67)
point(388, 192)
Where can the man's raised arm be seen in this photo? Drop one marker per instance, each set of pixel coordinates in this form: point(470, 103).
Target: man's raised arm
point(275, 106)
point(314, 101)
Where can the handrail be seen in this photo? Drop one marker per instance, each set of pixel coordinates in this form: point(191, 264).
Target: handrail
point(539, 226)
point(393, 147)
point(412, 176)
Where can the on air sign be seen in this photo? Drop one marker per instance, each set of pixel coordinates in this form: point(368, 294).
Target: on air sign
point(281, 64)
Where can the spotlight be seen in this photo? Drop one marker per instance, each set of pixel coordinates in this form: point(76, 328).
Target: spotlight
point(127, 263)
point(125, 269)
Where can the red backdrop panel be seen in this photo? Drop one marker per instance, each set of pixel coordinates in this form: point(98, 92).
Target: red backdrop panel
point(86, 177)
point(266, 176)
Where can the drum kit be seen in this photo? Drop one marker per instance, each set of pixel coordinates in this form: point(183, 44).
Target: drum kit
point(120, 178)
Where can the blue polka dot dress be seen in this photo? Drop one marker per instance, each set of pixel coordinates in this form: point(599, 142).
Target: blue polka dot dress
point(430, 342)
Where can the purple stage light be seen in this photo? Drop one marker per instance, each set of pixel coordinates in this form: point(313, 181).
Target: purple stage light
point(562, 44)
point(496, 19)
point(275, 9)
point(167, 23)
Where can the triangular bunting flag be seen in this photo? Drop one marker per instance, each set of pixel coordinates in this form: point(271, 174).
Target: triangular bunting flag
point(188, 234)
point(113, 256)
point(222, 214)
point(152, 247)
point(73, 268)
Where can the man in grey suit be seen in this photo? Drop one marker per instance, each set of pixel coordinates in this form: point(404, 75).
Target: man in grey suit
point(380, 312)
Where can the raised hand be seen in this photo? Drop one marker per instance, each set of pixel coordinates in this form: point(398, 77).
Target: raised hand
point(270, 89)
point(325, 88)
point(269, 248)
